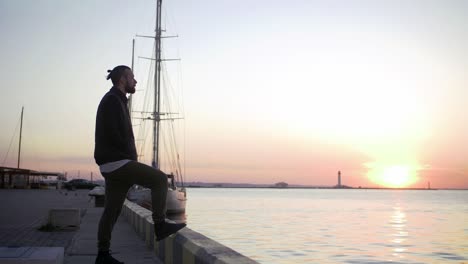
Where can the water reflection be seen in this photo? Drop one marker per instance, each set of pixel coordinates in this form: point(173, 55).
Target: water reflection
point(400, 233)
point(334, 226)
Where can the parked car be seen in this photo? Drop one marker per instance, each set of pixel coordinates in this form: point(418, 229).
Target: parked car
point(79, 184)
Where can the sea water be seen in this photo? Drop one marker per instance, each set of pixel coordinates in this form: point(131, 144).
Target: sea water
point(334, 225)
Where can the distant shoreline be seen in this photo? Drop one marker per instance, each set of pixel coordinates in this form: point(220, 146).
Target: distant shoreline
point(326, 188)
point(295, 186)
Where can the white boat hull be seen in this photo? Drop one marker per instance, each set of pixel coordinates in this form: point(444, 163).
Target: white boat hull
point(175, 202)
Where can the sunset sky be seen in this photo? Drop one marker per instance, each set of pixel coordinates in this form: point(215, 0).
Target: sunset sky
point(273, 91)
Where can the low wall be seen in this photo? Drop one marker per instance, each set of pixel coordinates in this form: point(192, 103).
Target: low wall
point(187, 246)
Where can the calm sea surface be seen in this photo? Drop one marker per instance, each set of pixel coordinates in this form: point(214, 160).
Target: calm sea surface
point(335, 226)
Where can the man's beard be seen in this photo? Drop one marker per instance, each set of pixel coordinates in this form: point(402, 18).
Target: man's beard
point(129, 89)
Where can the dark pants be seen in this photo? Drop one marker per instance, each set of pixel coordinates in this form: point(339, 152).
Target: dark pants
point(117, 184)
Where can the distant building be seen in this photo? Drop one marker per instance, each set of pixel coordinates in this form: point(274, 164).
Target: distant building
point(339, 185)
point(339, 179)
point(281, 185)
point(23, 178)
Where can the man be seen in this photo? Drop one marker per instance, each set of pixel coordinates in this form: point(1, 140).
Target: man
point(115, 153)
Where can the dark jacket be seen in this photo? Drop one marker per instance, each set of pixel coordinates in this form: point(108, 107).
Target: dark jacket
point(114, 138)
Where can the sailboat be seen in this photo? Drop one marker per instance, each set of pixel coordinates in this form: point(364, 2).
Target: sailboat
point(159, 111)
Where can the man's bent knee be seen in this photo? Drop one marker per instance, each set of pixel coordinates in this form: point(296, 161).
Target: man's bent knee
point(160, 179)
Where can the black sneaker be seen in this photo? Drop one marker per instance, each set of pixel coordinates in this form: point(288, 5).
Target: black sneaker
point(165, 229)
point(106, 258)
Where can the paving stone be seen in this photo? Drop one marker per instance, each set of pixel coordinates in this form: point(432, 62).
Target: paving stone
point(28, 210)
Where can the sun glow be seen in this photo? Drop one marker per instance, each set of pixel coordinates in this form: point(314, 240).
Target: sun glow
point(393, 176)
point(396, 176)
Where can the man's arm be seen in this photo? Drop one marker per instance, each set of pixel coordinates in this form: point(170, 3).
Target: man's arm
point(112, 119)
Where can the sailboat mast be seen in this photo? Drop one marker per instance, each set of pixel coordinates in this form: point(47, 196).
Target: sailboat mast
point(21, 133)
point(157, 87)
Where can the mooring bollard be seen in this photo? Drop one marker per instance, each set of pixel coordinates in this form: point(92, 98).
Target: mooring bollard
point(99, 196)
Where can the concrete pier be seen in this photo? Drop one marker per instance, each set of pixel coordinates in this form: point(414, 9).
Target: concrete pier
point(31, 255)
point(29, 209)
point(133, 238)
point(126, 245)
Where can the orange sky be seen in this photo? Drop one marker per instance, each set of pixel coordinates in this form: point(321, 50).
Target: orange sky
point(376, 90)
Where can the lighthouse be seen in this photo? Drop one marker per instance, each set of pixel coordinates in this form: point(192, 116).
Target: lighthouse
point(339, 179)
